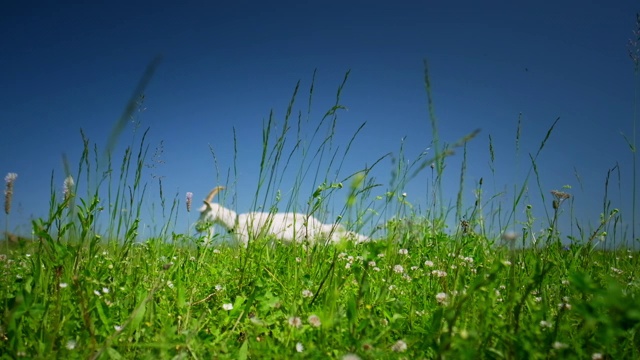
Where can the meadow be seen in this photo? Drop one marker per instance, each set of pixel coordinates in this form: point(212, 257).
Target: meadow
point(88, 285)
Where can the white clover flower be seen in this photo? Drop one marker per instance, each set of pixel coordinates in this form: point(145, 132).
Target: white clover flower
point(399, 346)
point(295, 321)
point(559, 346)
point(439, 273)
point(428, 263)
point(403, 251)
point(299, 347)
point(314, 320)
point(441, 298)
point(307, 293)
point(96, 292)
point(63, 285)
point(398, 269)
point(545, 324)
point(227, 306)
point(372, 263)
point(105, 290)
point(597, 356)
point(219, 287)
point(118, 328)
point(71, 344)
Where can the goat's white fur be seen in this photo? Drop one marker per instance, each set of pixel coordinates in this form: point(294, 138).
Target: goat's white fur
point(282, 226)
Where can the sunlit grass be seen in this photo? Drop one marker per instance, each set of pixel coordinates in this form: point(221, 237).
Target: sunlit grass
point(89, 286)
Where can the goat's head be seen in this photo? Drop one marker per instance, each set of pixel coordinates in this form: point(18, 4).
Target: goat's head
point(208, 211)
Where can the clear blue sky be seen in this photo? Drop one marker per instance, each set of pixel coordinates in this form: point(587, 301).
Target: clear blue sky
point(227, 65)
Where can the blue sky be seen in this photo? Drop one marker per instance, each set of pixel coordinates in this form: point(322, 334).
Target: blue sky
point(226, 66)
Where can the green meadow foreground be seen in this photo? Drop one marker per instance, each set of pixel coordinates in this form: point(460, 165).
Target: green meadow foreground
point(421, 290)
point(414, 297)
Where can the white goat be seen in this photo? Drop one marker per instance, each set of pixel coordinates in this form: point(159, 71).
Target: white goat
point(283, 226)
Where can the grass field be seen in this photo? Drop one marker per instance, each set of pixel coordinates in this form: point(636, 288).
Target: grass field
point(419, 291)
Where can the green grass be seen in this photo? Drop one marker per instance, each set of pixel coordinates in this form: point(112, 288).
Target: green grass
point(90, 287)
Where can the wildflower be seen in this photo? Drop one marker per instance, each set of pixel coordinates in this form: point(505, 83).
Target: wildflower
point(105, 290)
point(307, 293)
point(96, 292)
point(227, 307)
point(559, 346)
point(564, 306)
point(398, 268)
point(67, 188)
point(372, 263)
point(299, 347)
point(314, 320)
point(298, 260)
point(8, 192)
point(616, 270)
point(376, 269)
point(118, 328)
point(63, 285)
point(441, 298)
point(545, 324)
point(538, 299)
point(439, 273)
point(392, 287)
point(399, 346)
point(403, 251)
point(295, 321)
point(428, 263)
point(381, 255)
point(71, 344)
point(218, 287)
point(189, 199)
point(597, 356)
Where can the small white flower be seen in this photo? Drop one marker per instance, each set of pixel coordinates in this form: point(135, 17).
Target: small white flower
point(372, 263)
point(398, 268)
point(428, 263)
point(96, 292)
point(295, 321)
point(545, 324)
point(558, 345)
point(298, 260)
point(314, 320)
point(376, 269)
point(441, 298)
point(71, 344)
point(299, 347)
point(597, 356)
point(219, 287)
point(403, 251)
point(227, 307)
point(537, 299)
point(307, 293)
point(118, 328)
point(381, 255)
point(392, 287)
point(439, 273)
point(105, 290)
point(63, 285)
point(399, 346)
